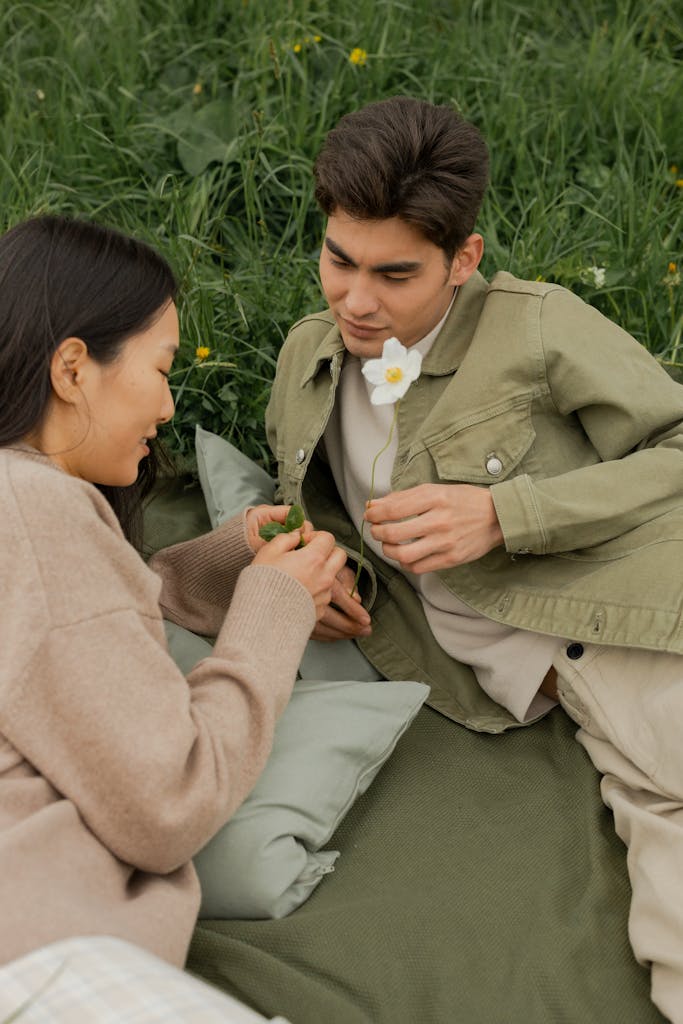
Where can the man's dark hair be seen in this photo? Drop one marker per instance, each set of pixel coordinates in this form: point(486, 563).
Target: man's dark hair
point(406, 158)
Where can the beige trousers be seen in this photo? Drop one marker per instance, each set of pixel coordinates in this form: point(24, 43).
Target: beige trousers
point(629, 706)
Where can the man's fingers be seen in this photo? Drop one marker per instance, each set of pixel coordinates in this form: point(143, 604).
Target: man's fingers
point(408, 554)
point(347, 604)
point(400, 504)
point(326, 629)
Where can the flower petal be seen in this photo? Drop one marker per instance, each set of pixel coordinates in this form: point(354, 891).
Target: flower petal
point(386, 394)
point(374, 370)
point(393, 351)
point(401, 388)
point(413, 364)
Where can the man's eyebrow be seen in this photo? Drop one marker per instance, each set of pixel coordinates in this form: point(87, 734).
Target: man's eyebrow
point(400, 267)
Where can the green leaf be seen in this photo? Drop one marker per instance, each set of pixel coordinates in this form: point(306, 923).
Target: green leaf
point(270, 530)
point(295, 518)
point(208, 134)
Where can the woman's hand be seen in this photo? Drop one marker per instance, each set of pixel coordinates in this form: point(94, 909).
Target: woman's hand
point(261, 514)
point(315, 566)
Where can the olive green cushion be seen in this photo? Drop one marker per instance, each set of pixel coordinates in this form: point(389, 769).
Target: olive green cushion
point(480, 881)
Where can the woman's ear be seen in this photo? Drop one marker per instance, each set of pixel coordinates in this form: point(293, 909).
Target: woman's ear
point(66, 368)
point(467, 259)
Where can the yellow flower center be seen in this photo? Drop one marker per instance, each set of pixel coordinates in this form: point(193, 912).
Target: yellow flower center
point(393, 374)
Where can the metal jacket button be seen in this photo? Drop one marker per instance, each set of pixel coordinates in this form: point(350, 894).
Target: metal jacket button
point(300, 456)
point(575, 651)
point(493, 465)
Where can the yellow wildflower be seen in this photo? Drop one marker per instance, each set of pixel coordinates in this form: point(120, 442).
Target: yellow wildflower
point(673, 170)
point(358, 56)
point(679, 182)
point(297, 47)
point(672, 268)
point(197, 88)
point(202, 352)
point(316, 39)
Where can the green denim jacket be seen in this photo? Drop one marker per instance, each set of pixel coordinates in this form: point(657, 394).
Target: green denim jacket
point(579, 434)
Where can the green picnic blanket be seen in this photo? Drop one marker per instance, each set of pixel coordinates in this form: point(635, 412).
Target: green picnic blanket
point(480, 880)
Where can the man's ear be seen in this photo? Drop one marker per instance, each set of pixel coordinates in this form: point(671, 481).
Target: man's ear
point(66, 368)
point(467, 259)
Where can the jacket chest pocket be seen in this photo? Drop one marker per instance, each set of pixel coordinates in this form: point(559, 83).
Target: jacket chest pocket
point(485, 448)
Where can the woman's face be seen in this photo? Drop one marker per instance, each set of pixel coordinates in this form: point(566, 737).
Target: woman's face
point(123, 404)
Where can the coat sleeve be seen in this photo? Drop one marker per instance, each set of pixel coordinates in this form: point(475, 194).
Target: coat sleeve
point(632, 413)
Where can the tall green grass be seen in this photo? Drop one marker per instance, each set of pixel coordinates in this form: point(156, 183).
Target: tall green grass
point(195, 124)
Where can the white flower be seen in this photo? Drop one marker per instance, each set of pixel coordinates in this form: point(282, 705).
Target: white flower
point(598, 276)
point(393, 373)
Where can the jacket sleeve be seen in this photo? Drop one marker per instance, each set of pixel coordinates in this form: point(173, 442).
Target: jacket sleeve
point(632, 413)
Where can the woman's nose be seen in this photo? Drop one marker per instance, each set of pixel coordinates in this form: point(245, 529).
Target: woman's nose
point(168, 407)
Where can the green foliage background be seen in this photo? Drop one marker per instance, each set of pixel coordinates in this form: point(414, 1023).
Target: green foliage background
point(194, 124)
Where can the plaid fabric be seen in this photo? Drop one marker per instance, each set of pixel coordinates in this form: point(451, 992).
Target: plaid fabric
point(108, 981)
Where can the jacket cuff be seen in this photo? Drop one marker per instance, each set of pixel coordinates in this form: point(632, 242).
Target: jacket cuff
point(519, 516)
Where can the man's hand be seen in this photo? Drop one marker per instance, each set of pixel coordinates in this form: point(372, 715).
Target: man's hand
point(345, 617)
point(435, 526)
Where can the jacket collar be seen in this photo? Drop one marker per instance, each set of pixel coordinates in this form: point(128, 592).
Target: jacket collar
point(453, 341)
point(446, 353)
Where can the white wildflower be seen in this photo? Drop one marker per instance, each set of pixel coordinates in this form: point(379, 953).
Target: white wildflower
point(393, 373)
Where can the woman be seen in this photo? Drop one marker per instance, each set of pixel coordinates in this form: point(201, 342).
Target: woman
point(115, 768)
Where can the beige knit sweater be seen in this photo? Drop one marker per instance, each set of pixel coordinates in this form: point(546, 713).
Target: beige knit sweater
point(114, 768)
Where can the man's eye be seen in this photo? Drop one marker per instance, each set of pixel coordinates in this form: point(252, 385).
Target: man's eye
point(342, 264)
point(396, 280)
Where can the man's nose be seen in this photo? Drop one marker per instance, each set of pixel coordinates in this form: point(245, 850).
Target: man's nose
point(361, 299)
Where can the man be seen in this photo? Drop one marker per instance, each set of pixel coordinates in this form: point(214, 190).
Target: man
point(525, 544)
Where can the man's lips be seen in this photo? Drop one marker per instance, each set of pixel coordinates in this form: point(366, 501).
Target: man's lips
point(361, 330)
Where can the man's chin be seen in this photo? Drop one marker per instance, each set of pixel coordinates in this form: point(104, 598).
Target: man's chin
point(365, 347)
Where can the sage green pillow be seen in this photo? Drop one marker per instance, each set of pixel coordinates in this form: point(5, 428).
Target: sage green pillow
point(330, 742)
point(230, 481)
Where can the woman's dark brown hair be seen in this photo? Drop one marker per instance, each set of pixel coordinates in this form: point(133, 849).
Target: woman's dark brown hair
point(61, 278)
point(406, 158)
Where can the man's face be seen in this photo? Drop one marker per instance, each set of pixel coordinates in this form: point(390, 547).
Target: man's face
point(383, 279)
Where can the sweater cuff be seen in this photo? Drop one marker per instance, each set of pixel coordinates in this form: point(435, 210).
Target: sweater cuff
point(519, 516)
point(199, 576)
point(272, 616)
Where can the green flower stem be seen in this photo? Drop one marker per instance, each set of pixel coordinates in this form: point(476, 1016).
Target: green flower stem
point(371, 496)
